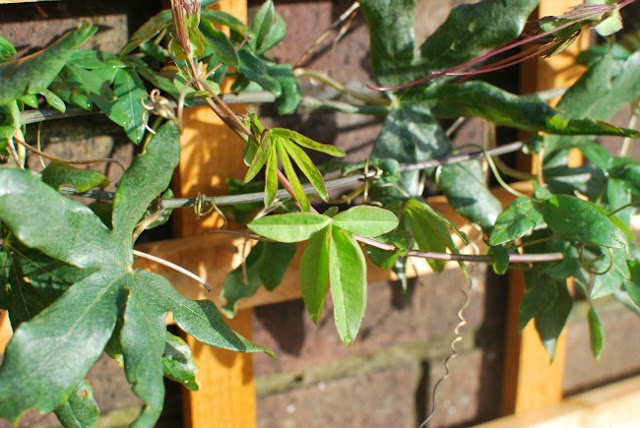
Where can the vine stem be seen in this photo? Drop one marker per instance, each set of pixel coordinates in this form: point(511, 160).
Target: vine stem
point(173, 266)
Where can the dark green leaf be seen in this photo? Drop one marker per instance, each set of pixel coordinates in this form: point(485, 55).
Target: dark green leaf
point(366, 220)
point(392, 39)
point(615, 273)
point(291, 92)
point(314, 273)
point(177, 362)
point(223, 50)
point(348, 276)
point(130, 89)
point(268, 27)
point(34, 73)
point(500, 258)
point(520, 218)
point(81, 410)
point(472, 28)
point(632, 285)
point(596, 333)
point(401, 239)
point(294, 227)
point(465, 188)
point(255, 69)
point(576, 220)
point(149, 29)
point(57, 173)
point(223, 18)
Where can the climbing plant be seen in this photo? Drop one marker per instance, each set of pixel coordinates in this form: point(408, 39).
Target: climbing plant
point(69, 285)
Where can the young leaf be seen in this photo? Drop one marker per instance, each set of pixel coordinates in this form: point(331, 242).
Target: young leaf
point(54, 101)
point(57, 173)
point(294, 227)
point(305, 164)
point(521, 217)
point(225, 19)
point(81, 410)
point(348, 276)
point(177, 362)
point(271, 177)
point(314, 272)
point(298, 190)
point(366, 220)
point(500, 259)
point(223, 50)
point(308, 143)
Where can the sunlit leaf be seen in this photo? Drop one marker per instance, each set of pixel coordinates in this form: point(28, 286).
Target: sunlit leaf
point(314, 272)
point(294, 227)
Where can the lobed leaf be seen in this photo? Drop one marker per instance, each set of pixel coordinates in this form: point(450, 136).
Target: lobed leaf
point(130, 89)
point(307, 142)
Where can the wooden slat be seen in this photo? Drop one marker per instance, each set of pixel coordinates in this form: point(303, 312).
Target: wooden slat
point(613, 405)
point(530, 379)
point(209, 153)
point(5, 331)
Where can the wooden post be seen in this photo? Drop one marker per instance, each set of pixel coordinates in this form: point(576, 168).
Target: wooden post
point(530, 379)
point(210, 153)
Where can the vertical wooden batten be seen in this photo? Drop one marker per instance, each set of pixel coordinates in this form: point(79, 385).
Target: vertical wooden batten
point(530, 380)
point(210, 152)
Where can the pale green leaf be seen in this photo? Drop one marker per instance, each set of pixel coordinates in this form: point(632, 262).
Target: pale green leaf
point(294, 227)
point(366, 220)
point(314, 273)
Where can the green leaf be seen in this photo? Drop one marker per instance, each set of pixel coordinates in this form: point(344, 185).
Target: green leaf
point(308, 143)
point(9, 122)
point(596, 333)
point(77, 326)
point(500, 258)
point(291, 95)
point(34, 73)
point(255, 69)
point(429, 230)
point(6, 49)
point(268, 27)
point(348, 276)
point(632, 285)
point(392, 39)
point(271, 178)
point(401, 239)
point(54, 101)
point(305, 164)
point(223, 49)
point(520, 218)
point(81, 410)
point(298, 190)
point(148, 30)
point(266, 264)
point(549, 301)
point(480, 99)
point(129, 88)
point(98, 91)
point(314, 272)
point(616, 272)
point(177, 362)
point(472, 28)
point(576, 220)
point(366, 220)
point(465, 188)
point(294, 227)
point(57, 173)
point(262, 155)
point(224, 19)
